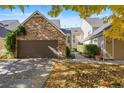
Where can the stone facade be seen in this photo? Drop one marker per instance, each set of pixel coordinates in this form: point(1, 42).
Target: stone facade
point(38, 28)
point(1, 43)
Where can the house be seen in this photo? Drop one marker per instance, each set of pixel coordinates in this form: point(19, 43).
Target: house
point(40, 29)
point(5, 27)
point(110, 48)
point(43, 39)
point(89, 26)
point(68, 35)
point(65, 30)
point(76, 36)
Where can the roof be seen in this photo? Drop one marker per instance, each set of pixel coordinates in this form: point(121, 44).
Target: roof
point(6, 26)
point(56, 22)
point(37, 12)
point(9, 24)
point(95, 22)
point(76, 29)
point(99, 31)
point(1, 25)
point(66, 31)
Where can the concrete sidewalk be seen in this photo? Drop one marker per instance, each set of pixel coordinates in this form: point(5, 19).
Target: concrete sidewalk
point(82, 59)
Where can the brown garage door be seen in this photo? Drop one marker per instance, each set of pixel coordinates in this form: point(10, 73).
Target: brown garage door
point(37, 48)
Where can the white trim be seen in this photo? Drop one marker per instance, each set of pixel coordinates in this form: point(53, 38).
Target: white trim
point(45, 19)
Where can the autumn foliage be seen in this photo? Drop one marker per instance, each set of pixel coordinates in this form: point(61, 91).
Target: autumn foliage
point(116, 30)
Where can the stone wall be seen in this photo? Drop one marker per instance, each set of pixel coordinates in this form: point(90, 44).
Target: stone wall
point(38, 28)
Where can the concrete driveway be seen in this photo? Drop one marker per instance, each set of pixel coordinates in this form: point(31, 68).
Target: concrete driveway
point(24, 73)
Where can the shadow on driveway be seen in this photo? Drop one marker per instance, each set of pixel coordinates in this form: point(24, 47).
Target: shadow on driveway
point(24, 72)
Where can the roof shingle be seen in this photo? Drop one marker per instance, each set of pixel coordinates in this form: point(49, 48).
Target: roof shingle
point(6, 26)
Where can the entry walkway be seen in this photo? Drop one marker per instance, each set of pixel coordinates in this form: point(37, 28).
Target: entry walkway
point(79, 57)
point(82, 59)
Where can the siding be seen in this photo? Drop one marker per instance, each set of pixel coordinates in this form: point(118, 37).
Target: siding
point(118, 49)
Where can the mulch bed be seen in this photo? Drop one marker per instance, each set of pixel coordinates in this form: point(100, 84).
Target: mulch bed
point(82, 75)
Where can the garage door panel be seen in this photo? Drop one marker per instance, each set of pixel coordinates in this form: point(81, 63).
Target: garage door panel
point(36, 48)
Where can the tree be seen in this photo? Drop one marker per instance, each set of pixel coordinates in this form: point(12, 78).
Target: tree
point(116, 31)
point(11, 7)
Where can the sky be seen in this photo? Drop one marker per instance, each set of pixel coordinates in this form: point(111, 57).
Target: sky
point(67, 18)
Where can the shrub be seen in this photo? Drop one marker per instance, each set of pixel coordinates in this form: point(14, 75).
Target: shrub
point(4, 54)
point(73, 49)
point(90, 50)
point(10, 40)
point(80, 48)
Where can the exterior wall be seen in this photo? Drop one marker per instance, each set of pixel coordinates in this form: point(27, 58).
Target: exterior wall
point(38, 28)
point(114, 49)
point(68, 40)
point(108, 49)
point(87, 42)
point(1, 43)
point(99, 41)
point(118, 49)
point(87, 29)
point(76, 36)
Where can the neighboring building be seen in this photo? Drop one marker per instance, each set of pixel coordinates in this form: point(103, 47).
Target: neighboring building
point(89, 26)
point(68, 35)
point(5, 27)
point(76, 36)
point(66, 31)
point(44, 39)
point(110, 48)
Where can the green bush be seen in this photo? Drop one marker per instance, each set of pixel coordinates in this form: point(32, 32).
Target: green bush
point(10, 40)
point(4, 54)
point(73, 49)
point(80, 48)
point(90, 50)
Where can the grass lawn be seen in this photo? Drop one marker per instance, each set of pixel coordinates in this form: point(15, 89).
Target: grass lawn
point(76, 75)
